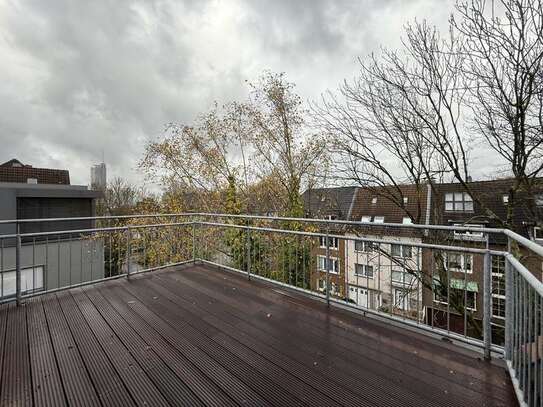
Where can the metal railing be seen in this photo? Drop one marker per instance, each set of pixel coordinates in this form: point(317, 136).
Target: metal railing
point(424, 277)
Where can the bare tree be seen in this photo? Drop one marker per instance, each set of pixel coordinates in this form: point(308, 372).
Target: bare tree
point(120, 198)
point(399, 121)
point(416, 107)
point(503, 57)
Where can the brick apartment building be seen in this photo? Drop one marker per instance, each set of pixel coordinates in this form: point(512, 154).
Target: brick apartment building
point(453, 206)
point(333, 204)
point(402, 279)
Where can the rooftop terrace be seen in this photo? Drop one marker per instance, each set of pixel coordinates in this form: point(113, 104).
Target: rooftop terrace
point(196, 335)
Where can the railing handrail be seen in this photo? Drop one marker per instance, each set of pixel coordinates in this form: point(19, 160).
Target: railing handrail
point(536, 248)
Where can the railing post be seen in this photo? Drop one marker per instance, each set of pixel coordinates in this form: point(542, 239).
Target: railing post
point(327, 268)
point(18, 267)
point(194, 243)
point(487, 303)
point(128, 250)
point(248, 244)
point(508, 304)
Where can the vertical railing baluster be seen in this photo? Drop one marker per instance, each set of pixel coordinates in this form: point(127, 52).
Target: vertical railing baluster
point(128, 250)
point(248, 244)
point(487, 302)
point(18, 267)
point(327, 268)
point(508, 310)
point(194, 243)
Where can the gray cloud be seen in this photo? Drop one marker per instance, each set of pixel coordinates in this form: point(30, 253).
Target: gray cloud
point(82, 77)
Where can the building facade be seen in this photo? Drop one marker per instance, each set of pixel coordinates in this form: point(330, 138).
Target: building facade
point(441, 288)
point(99, 177)
point(56, 260)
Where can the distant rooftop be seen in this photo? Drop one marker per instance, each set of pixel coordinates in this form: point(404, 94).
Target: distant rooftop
point(16, 172)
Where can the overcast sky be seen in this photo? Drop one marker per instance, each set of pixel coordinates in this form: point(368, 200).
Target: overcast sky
point(82, 77)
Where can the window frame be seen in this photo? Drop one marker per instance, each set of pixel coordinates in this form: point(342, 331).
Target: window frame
point(462, 262)
point(333, 246)
point(334, 269)
point(458, 201)
point(402, 254)
point(365, 268)
point(444, 301)
point(367, 247)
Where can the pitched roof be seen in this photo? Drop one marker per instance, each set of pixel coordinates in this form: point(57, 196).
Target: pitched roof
point(392, 203)
point(15, 171)
point(491, 196)
point(323, 202)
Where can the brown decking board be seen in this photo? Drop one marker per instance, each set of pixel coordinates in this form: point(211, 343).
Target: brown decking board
point(196, 335)
point(397, 358)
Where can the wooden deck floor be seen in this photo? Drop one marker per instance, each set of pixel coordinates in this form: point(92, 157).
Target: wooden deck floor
point(199, 336)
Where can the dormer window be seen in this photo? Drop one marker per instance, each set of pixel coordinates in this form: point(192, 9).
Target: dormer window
point(458, 202)
point(374, 200)
point(376, 219)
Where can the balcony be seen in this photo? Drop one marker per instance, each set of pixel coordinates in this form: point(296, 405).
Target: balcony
point(197, 335)
point(197, 309)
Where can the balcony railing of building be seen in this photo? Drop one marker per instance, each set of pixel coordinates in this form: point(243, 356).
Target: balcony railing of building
point(482, 292)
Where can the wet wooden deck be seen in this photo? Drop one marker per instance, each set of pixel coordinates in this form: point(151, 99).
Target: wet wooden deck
point(199, 336)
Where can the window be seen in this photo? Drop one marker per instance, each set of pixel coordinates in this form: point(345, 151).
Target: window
point(31, 180)
point(332, 241)
point(498, 287)
point(374, 200)
point(363, 270)
point(505, 199)
point(407, 220)
point(364, 246)
point(538, 233)
point(400, 276)
point(31, 280)
point(405, 199)
point(399, 250)
point(539, 200)
point(401, 299)
point(459, 262)
point(498, 308)
point(458, 202)
point(458, 295)
point(333, 264)
point(376, 219)
point(321, 284)
point(498, 276)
